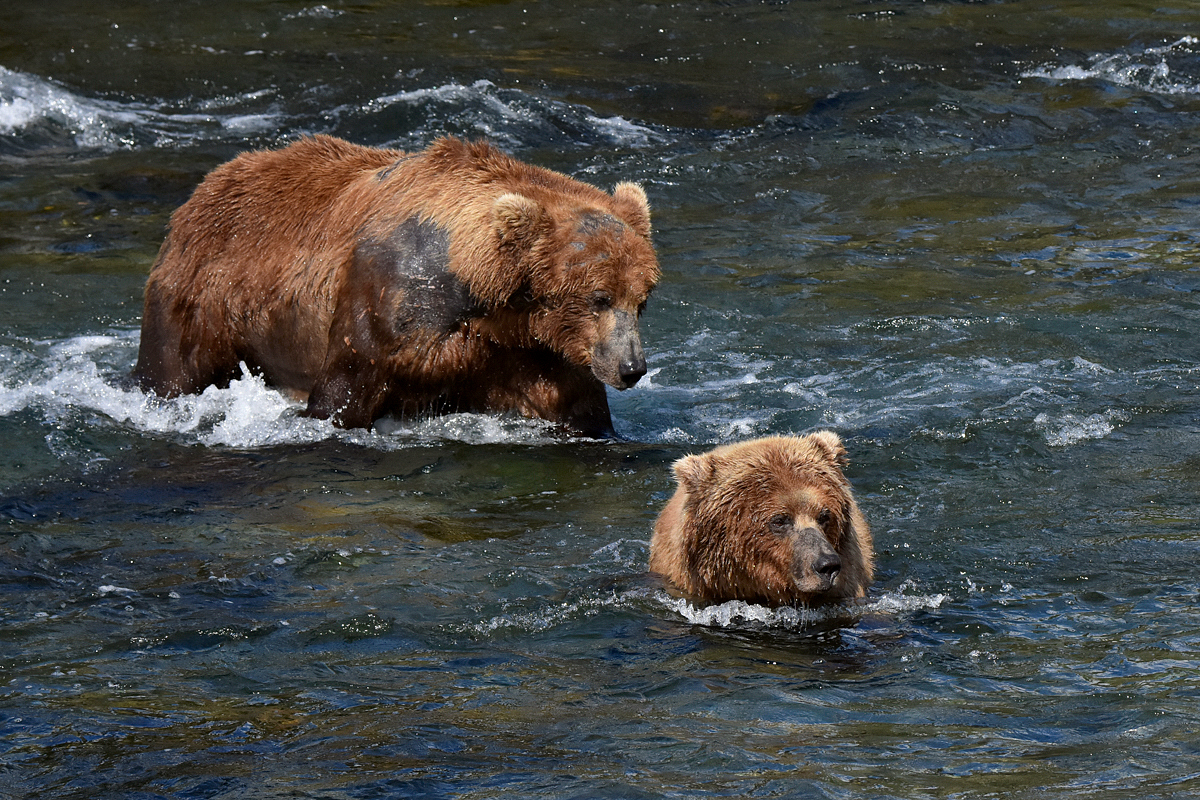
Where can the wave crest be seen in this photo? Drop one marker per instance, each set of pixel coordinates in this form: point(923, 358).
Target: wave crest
point(89, 373)
point(1162, 70)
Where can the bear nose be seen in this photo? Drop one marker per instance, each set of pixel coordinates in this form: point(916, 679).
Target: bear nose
point(632, 367)
point(816, 563)
point(828, 565)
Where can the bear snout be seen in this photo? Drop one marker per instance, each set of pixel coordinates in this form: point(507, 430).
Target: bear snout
point(828, 565)
point(815, 564)
point(633, 366)
point(619, 359)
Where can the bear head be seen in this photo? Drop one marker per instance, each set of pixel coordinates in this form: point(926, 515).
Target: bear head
point(770, 521)
point(584, 268)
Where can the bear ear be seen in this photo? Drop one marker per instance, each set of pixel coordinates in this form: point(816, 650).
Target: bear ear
point(633, 207)
point(518, 219)
point(831, 443)
point(693, 472)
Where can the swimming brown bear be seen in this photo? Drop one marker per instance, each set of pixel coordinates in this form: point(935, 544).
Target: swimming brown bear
point(769, 521)
point(380, 282)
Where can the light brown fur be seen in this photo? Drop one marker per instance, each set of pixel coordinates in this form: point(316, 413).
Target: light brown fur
point(770, 521)
point(376, 281)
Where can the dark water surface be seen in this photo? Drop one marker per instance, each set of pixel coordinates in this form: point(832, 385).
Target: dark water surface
point(963, 235)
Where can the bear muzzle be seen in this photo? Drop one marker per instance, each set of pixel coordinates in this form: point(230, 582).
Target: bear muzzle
point(815, 563)
point(618, 359)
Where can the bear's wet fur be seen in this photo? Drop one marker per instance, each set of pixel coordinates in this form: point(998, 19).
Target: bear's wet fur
point(771, 521)
point(378, 282)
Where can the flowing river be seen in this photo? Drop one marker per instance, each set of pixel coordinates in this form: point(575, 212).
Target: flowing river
point(963, 235)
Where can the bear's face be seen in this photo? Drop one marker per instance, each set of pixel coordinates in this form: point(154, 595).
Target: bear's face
point(588, 270)
point(771, 521)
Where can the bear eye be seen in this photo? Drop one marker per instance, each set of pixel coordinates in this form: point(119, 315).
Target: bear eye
point(824, 517)
point(601, 301)
point(780, 522)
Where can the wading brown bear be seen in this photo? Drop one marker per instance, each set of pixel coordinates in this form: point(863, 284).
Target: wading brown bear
point(380, 282)
point(769, 521)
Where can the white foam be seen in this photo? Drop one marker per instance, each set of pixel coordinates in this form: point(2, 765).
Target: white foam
point(1148, 69)
point(1063, 430)
point(621, 131)
point(249, 123)
point(37, 106)
point(945, 396)
point(901, 603)
point(315, 12)
point(473, 428)
point(16, 112)
point(549, 617)
point(739, 614)
point(250, 414)
point(446, 93)
point(28, 102)
point(708, 393)
point(87, 373)
point(629, 554)
point(245, 414)
point(512, 116)
point(735, 614)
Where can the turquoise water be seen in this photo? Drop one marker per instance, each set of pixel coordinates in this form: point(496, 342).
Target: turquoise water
point(962, 235)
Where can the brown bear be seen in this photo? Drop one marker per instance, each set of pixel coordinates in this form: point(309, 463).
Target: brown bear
point(378, 282)
point(769, 521)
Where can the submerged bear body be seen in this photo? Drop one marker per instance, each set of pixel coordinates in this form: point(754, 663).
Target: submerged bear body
point(770, 521)
point(378, 282)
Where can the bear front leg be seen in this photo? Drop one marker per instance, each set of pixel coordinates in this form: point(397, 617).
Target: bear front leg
point(352, 395)
point(590, 415)
point(561, 393)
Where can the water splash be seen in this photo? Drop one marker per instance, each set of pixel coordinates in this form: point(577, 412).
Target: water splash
point(39, 113)
point(315, 12)
point(734, 615)
point(89, 373)
point(550, 617)
point(740, 614)
point(946, 398)
point(1068, 429)
point(508, 117)
point(1155, 69)
point(718, 398)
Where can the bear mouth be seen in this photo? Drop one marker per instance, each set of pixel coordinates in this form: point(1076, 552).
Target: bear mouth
point(816, 584)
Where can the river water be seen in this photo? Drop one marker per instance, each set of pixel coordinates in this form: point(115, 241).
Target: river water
point(963, 235)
